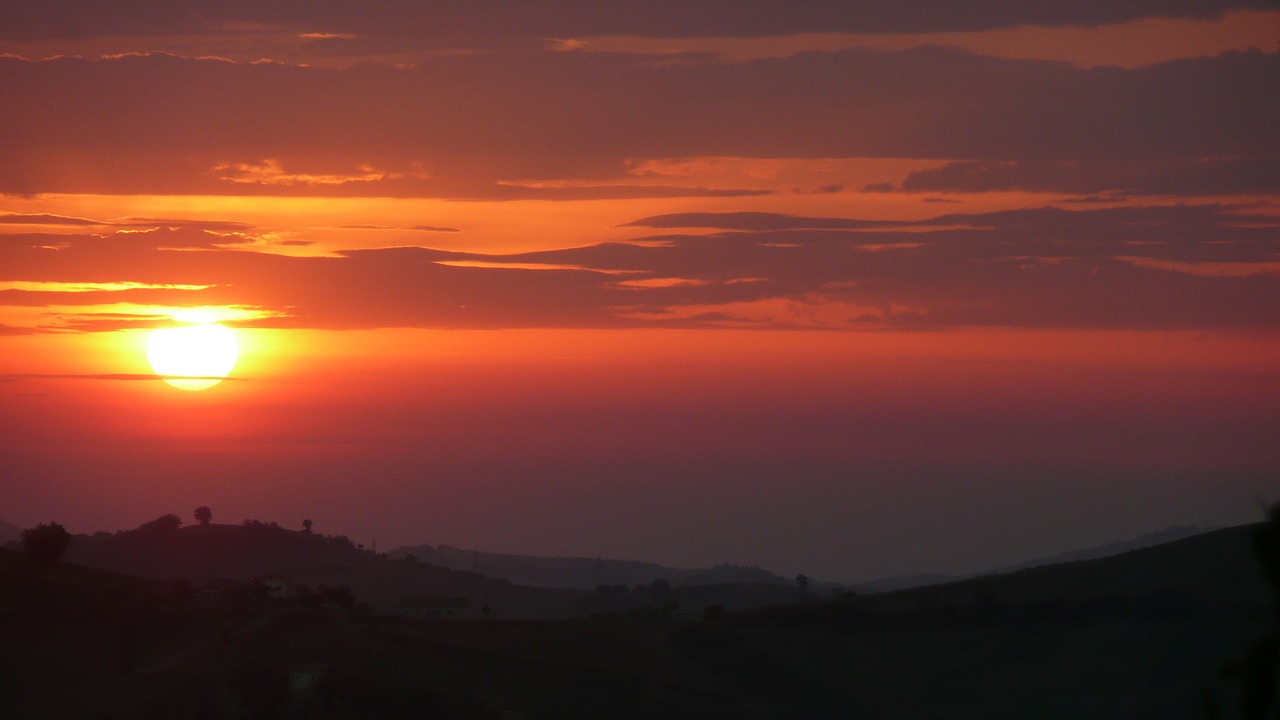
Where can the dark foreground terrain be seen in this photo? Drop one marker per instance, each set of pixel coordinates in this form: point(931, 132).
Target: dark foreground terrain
point(1139, 635)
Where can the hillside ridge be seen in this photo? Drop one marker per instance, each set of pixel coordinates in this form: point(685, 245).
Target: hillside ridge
point(582, 573)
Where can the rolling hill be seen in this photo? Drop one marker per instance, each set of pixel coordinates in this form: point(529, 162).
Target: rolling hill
point(1140, 634)
point(204, 553)
point(200, 554)
point(9, 532)
point(1212, 569)
point(582, 573)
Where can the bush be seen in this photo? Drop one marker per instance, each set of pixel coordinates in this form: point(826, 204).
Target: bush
point(45, 544)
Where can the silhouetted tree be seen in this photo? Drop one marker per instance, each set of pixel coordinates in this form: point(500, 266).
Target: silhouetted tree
point(802, 581)
point(163, 525)
point(610, 597)
point(306, 525)
point(339, 595)
point(204, 515)
point(46, 543)
point(660, 591)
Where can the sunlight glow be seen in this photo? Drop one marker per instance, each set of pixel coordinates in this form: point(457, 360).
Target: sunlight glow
point(192, 357)
point(79, 287)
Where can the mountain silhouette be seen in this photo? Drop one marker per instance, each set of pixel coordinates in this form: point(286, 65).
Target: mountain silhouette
point(1138, 634)
point(582, 573)
point(202, 554)
point(9, 532)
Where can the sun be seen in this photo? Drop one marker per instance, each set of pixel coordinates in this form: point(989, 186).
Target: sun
point(192, 357)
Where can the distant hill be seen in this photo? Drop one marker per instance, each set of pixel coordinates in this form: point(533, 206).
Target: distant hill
point(1215, 569)
point(581, 573)
point(9, 533)
point(202, 553)
point(1155, 537)
point(1139, 634)
point(903, 582)
point(163, 550)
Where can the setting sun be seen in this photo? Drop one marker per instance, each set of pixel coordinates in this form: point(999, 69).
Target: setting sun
point(192, 357)
point(524, 313)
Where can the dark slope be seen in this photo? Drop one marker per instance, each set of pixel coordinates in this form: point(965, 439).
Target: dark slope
point(1138, 635)
point(203, 553)
point(582, 573)
point(1214, 569)
point(1151, 539)
point(9, 532)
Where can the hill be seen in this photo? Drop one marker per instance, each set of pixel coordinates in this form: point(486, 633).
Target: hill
point(581, 573)
point(26, 586)
point(1155, 537)
point(163, 550)
point(1212, 569)
point(1140, 634)
point(9, 533)
point(902, 582)
point(1137, 635)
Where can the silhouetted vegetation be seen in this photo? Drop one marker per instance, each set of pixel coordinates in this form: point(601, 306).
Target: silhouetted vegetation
point(582, 573)
point(1130, 636)
point(46, 543)
point(203, 515)
point(163, 526)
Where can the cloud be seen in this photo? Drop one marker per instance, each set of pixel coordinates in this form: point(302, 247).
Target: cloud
point(270, 171)
point(98, 376)
point(751, 221)
point(822, 190)
point(11, 218)
point(146, 236)
point(437, 22)
point(135, 124)
point(420, 228)
point(1171, 266)
point(1185, 177)
point(16, 330)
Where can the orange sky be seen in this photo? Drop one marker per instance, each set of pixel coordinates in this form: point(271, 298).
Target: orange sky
point(642, 283)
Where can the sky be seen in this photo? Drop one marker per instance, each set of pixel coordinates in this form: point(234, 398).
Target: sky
point(846, 289)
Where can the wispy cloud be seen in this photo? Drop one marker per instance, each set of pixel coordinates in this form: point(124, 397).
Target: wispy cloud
point(576, 18)
point(583, 125)
point(1169, 266)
